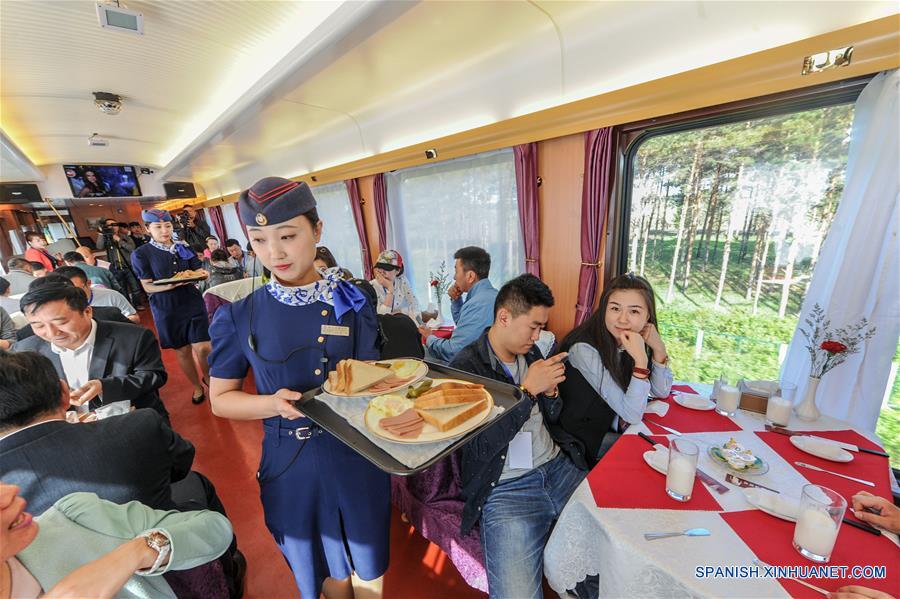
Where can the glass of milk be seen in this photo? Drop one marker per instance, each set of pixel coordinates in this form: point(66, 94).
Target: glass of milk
point(727, 400)
point(788, 391)
point(778, 411)
point(683, 456)
point(821, 513)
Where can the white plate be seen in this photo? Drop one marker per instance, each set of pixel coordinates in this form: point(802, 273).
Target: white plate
point(773, 504)
point(693, 401)
point(418, 375)
point(659, 462)
point(430, 433)
point(821, 449)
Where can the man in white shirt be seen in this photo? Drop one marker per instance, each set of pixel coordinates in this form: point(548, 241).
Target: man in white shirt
point(103, 362)
point(99, 296)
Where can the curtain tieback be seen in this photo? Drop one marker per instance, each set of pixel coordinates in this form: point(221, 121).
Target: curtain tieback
point(531, 259)
point(596, 264)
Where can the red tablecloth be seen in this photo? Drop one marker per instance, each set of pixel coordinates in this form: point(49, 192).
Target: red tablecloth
point(864, 465)
point(444, 332)
point(623, 480)
point(686, 420)
point(770, 539)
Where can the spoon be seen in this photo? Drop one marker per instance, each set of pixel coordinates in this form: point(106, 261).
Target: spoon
point(691, 532)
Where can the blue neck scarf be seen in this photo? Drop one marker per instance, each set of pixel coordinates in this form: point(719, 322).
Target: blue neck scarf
point(179, 248)
point(331, 289)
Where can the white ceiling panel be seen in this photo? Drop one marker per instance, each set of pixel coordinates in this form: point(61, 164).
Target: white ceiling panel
point(53, 54)
point(227, 92)
point(438, 68)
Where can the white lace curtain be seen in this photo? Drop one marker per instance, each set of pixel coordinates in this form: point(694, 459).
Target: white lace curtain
point(436, 209)
point(338, 231)
point(858, 271)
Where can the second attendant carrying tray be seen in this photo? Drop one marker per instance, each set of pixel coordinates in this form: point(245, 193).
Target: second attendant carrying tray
point(504, 395)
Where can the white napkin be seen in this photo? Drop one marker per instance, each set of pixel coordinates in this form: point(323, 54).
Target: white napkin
point(822, 447)
point(774, 502)
point(660, 457)
point(693, 400)
point(660, 408)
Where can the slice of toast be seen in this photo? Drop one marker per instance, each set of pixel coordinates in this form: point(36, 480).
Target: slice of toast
point(449, 399)
point(361, 376)
point(446, 418)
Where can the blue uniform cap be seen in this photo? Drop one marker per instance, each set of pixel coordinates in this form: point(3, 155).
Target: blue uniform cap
point(155, 215)
point(273, 200)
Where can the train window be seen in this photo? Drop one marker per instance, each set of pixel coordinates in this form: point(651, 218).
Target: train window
point(339, 231)
point(727, 223)
point(438, 208)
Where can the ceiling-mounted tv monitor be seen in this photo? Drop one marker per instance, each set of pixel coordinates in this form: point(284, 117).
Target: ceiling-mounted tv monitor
point(102, 181)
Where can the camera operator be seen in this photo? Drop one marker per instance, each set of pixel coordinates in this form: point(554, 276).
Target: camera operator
point(119, 245)
point(191, 228)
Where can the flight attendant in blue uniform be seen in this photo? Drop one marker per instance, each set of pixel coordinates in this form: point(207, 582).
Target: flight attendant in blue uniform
point(178, 308)
point(327, 507)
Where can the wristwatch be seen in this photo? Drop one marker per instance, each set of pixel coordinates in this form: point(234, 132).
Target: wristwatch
point(159, 542)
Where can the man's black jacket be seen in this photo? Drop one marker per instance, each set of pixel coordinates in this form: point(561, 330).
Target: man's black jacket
point(483, 457)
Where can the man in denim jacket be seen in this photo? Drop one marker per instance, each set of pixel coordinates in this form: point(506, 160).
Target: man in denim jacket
point(518, 475)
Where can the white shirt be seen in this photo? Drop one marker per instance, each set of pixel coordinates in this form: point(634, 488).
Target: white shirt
point(76, 363)
point(101, 296)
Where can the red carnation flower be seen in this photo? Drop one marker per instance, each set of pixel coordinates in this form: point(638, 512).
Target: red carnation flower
point(434, 283)
point(833, 347)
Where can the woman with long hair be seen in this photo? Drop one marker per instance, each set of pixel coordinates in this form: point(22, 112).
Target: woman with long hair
point(93, 185)
point(327, 507)
point(618, 349)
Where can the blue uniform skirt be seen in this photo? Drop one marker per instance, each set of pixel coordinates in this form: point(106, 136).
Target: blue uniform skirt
point(180, 317)
point(328, 509)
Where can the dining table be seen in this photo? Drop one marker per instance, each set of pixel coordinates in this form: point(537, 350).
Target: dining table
point(601, 529)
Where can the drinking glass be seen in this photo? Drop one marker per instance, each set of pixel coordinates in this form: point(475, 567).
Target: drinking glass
point(683, 456)
point(728, 400)
point(778, 410)
point(788, 392)
point(821, 513)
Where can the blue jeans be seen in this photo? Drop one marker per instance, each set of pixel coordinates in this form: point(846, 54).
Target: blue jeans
point(516, 521)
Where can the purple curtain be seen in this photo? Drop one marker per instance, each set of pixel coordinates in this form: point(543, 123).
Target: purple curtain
point(598, 172)
point(218, 222)
point(381, 211)
point(356, 209)
point(237, 211)
point(527, 196)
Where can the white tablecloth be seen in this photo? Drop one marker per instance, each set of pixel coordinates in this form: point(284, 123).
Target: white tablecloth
point(609, 542)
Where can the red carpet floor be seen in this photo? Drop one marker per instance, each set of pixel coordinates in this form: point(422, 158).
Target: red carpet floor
point(228, 453)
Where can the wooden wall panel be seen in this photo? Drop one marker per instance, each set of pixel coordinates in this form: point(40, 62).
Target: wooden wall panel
point(367, 192)
point(561, 168)
point(121, 211)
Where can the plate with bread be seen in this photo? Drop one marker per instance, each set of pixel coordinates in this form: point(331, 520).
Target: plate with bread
point(355, 378)
point(184, 276)
point(439, 409)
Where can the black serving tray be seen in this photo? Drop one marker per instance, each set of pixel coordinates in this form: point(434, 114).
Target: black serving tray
point(505, 395)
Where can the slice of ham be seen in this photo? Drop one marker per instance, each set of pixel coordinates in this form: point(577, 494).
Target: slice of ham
point(390, 383)
point(407, 425)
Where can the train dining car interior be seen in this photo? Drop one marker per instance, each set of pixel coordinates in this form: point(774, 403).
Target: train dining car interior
point(442, 299)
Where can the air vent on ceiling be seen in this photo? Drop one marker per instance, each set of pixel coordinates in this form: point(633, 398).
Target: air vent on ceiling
point(96, 140)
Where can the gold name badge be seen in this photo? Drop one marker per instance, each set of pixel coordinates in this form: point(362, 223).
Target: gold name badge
point(330, 329)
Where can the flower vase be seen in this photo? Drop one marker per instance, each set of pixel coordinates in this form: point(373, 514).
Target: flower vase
point(807, 409)
point(441, 318)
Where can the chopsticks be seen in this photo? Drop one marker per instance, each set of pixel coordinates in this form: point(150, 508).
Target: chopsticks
point(862, 526)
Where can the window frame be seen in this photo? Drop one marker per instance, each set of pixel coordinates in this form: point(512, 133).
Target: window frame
point(633, 135)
